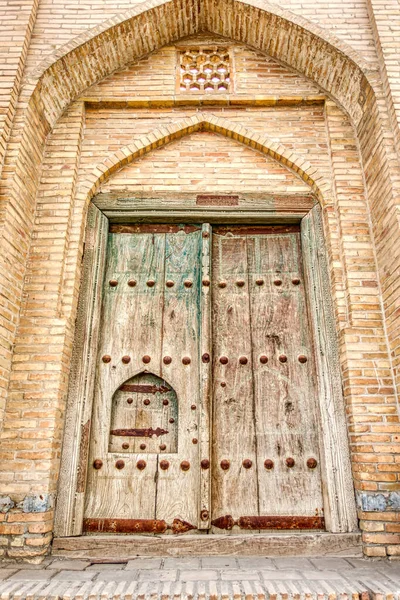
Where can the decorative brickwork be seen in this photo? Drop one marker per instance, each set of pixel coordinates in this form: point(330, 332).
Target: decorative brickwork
point(100, 111)
point(204, 69)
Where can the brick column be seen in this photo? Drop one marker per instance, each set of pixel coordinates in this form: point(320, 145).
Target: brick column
point(16, 23)
point(31, 437)
point(385, 20)
point(367, 376)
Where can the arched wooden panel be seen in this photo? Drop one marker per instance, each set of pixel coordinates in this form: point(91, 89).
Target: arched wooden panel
point(144, 416)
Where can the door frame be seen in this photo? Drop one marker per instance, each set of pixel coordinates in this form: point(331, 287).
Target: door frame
point(337, 482)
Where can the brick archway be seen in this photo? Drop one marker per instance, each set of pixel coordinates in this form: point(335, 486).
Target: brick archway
point(201, 122)
point(86, 60)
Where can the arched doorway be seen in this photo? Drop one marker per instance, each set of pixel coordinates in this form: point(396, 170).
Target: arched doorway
point(235, 322)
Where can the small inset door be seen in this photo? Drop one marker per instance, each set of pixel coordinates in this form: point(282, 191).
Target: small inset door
point(205, 409)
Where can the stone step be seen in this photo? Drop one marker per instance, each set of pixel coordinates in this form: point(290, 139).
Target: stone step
point(202, 578)
point(198, 590)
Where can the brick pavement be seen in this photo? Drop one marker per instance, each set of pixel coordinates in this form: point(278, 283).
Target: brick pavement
point(206, 577)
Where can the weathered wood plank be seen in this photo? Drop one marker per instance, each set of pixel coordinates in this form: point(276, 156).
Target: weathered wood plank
point(150, 332)
point(260, 320)
point(72, 480)
point(337, 478)
point(123, 208)
point(130, 326)
point(234, 441)
point(281, 544)
point(177, 487)
point(142, 411)
point(205, 379)
point(121, 200)
point(152, 228)
point(285, 388)
point(239, 230)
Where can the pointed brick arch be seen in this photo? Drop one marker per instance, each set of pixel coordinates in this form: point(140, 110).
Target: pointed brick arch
point(205, 122)
point(201, 10)
point(130, 36)
point(117, 42)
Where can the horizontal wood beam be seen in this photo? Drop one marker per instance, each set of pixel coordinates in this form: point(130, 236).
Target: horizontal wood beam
point(93, 102)
point(125, 547)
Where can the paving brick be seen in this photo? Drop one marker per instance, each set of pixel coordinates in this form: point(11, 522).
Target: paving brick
point(4, 573)
point(323, 575)
point(106, 567)
point(75, 576)
point(361, 563)
point(255, 562)
point(130, 575)
point(161, 583)
point(145, 563)
point(279, 574)
point(155, 575)
point(68, 565)
point(293, 563)
point(330, 563)
point(239, 575)
point(31, 575)
point(203, 575)
point(181, 563)
point(219, 562)
point(392, 568)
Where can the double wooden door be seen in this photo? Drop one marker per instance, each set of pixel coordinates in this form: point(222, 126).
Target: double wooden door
point(205, 410)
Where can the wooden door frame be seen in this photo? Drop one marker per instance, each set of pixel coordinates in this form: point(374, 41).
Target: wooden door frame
point(337, 482)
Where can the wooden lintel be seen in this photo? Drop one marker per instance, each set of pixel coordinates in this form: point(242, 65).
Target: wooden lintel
point(93, 102)
point(121, 207)
point(255, 229)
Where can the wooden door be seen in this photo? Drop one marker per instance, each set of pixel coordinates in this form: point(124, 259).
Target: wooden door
point(151, 386)
point(266, 467)
point(174, 323)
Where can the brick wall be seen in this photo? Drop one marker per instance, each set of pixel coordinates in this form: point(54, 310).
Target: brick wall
point(16, 24)
point(205, 162)
point(69, 130)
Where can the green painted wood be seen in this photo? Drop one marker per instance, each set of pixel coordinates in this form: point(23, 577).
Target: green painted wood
point(178, 490)
point(338, 487)
point(157, 327)
point(73, 472)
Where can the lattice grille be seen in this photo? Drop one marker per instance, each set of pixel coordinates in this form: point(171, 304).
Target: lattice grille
point(204, 70)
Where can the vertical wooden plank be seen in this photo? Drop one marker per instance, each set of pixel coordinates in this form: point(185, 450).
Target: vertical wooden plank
point(285, 388)
point(338, 488)
point(72, 479)
point(177, 488)
point(131, 326)
point(205, 422)
point(235, 490)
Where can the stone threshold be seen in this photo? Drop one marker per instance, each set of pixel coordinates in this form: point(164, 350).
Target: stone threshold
point(126, 547)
